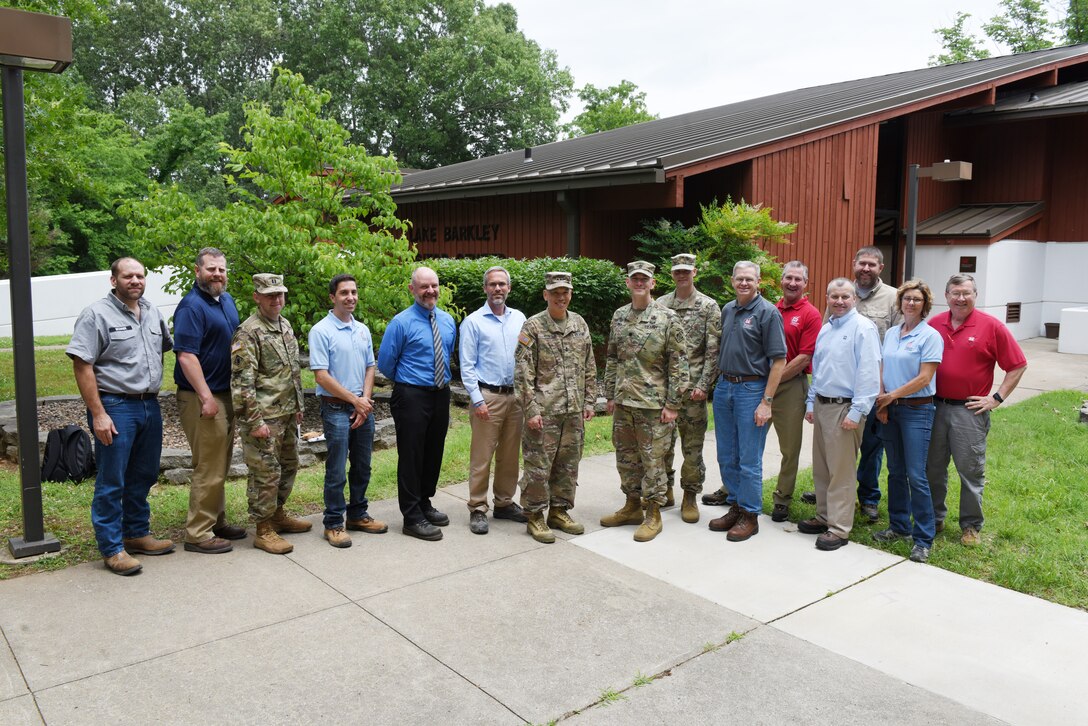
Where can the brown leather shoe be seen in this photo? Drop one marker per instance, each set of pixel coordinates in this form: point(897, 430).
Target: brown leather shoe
point(283, 522)
point(725, 522)
point(811, 526)
point(148, 545)
point(367, 524)
point(229, 531)
point(210, 546)
point(122, 564)
point(828, 542)
point(337, 537)
point(746, 526)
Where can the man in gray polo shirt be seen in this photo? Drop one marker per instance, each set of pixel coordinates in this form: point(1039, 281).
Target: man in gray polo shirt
point(116, 351)
point(751, 357)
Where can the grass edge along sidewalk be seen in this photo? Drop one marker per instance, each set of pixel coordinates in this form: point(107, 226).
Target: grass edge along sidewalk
point(1035, 540)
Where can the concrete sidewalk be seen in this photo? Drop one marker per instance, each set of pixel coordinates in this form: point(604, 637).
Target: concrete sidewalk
point(500, 629)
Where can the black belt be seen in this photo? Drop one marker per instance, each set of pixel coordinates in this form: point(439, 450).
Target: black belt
point(496, 389)
point(422, 388)
point(740, 379)
point(952, 401)
point(836, 399)
point(334, 399)
point(130, 396)
point(921, 401)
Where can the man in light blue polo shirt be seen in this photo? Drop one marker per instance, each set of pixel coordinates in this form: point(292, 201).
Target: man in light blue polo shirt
point(342, 359)
point(489, 339)
point(415, 354)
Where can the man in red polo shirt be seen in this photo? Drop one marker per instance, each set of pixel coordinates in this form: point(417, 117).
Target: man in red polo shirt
point(973, 343)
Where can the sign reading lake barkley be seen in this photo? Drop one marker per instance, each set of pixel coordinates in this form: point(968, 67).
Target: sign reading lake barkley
point(465, 233)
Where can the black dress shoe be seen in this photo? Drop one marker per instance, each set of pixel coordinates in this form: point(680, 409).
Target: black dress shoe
point(511, 511)
point(809, 497)
point(436, 517)
point(229, 531)
point(422, 530)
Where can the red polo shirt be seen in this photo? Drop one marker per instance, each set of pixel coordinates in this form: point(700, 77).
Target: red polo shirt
point(970, 352)
point(802, 322)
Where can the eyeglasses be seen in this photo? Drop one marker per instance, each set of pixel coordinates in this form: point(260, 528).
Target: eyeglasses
point(960, 295)
point(914, 300)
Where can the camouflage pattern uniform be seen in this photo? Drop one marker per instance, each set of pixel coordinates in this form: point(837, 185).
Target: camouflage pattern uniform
point(266, 388)
point(555, 377)
point(646, 370)
point(702, 321)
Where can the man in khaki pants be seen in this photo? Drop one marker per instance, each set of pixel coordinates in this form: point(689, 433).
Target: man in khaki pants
point(204, 322)
point(845, 384)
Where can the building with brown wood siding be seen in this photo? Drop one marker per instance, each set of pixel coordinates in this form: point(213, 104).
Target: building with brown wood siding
point(832, 159)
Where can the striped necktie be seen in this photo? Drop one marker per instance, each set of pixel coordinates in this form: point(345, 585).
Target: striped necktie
point(439, 360)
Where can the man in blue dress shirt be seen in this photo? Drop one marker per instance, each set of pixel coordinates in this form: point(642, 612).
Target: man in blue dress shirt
point(342, 359)
point(415, 354)
point(489, 339)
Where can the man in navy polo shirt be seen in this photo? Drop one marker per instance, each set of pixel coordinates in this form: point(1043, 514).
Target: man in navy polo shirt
point(415, 354)
point(342, 359)
point(204, 323)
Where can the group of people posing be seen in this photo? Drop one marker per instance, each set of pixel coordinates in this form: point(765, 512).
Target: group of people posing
point(882, 379)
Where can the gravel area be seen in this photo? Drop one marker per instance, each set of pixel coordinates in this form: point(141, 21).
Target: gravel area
point(56, 414)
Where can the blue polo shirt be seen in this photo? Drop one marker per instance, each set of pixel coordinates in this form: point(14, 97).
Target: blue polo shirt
point(204, 327)
point(345, 350)
point(406, 354)
point(904, 356)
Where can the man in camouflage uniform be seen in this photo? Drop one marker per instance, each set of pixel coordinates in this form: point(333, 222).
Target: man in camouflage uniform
point(645, 381)
point(702, 320)
point(555, 379)
point(267, 394)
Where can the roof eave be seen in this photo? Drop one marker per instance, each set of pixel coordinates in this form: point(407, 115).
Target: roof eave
point(581, 181)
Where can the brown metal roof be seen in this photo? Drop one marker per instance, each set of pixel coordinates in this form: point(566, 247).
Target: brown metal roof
point(643, 153)
point(979, 220)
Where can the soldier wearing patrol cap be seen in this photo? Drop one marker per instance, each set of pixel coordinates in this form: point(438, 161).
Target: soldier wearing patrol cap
point(266, 390)
point(645, 381)
point(555, 379)
point(702, 320)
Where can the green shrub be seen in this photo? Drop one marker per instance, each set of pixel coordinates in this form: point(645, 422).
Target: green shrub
point(598, 285)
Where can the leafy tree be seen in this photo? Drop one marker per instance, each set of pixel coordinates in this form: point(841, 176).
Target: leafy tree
point(291, 215)
point(610, 108)
point(1022, 27)
point(1075, 22)
point(958, 44)
point(724, 235)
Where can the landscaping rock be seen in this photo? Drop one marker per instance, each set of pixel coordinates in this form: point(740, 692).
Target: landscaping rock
point(385, 435)
point(178, 476)
point(1084, 413)
point(176, 459)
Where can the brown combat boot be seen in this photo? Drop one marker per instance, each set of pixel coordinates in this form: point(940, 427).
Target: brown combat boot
point(538, 528)
point(669, 501)
point(559, 519)
point(268, 540)
point(725, 522)
point(651, 526)
point(746, 526)
point(284, 522)
point(630, 513)
point(689, 510)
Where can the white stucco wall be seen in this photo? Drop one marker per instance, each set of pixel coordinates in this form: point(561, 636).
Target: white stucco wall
point(1043, 277)
point(58, 299)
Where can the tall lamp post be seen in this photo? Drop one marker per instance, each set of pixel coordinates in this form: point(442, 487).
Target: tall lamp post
point(32, 42)
point(943, 171)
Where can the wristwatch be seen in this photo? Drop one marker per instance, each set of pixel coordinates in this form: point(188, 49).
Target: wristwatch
point(768, 399)
point(998, 398)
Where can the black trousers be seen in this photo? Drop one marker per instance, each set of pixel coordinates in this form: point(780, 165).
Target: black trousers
point(421, 418)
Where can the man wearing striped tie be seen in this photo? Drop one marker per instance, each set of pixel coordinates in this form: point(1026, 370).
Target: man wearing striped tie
point(415, 354)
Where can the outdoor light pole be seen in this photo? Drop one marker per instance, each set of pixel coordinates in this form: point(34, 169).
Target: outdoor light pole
point(943, 171)
point(28, 41)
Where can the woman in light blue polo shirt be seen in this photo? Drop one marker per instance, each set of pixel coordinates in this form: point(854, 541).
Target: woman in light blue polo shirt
point(912, 352)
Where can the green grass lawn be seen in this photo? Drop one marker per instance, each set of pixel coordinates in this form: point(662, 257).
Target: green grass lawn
point(40, 340)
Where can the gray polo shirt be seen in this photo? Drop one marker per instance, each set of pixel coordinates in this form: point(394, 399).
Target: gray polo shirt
point(126, 353)
point(752, 338)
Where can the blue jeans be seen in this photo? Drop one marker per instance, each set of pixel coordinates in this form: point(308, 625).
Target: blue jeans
point(345, 445)
point(872, 456)
point(740, 442)
point(127, 469)
point(906, 440)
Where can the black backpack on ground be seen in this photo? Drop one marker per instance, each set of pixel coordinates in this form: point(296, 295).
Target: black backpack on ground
point(68, 455)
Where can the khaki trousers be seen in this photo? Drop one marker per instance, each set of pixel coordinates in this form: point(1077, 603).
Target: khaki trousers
point(499, 437)
point(834, 470)
point(788, 419)
point(211, 441)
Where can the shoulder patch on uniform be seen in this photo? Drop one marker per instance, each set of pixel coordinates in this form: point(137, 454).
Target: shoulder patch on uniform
point(235, 346)
point(525, 340)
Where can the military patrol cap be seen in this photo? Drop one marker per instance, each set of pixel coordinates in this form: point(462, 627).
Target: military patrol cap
point(639, 267)
point(266, 283)
point(683, 261)
point(553, 280)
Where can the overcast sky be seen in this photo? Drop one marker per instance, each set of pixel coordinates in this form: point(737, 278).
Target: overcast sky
point(694, 54)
